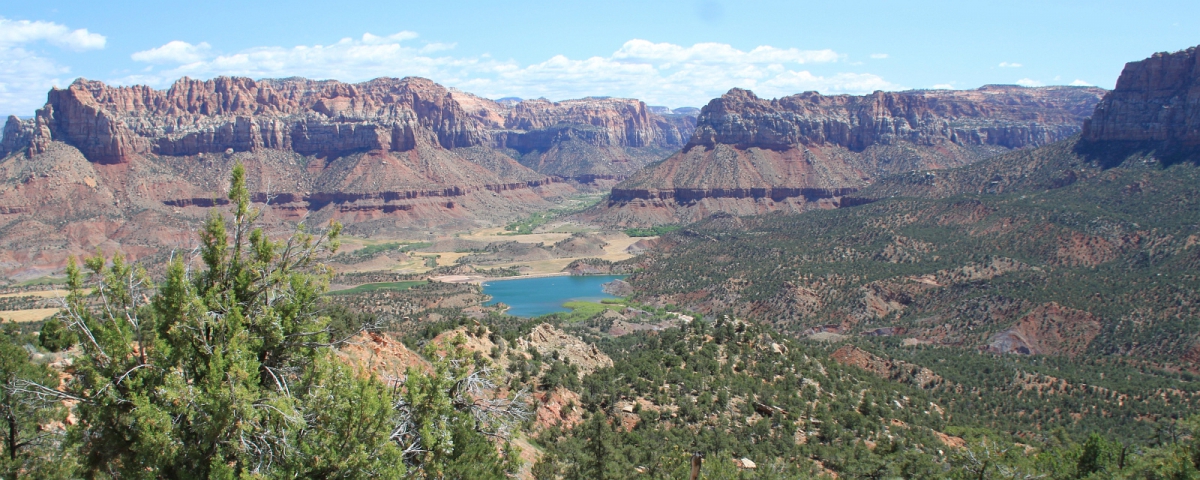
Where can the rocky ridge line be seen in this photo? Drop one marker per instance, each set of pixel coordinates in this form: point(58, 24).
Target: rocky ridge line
point(331, 119)
point(750, 155)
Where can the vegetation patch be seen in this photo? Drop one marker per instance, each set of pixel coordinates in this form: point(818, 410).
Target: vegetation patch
point(47, 280)
point(582, 310)
point(373, 287)
point(372, 250)
point(654, 231)
point(527, 225)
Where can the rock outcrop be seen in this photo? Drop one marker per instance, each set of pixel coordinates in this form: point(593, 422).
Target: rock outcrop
point(1049, 329)
point(897, 370)
point(547, 340)
point(750, 155)
point(1155, 104)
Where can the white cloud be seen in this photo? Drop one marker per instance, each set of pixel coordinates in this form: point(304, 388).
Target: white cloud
point(1010, 65)
point(638, 50)
point(369, 39)
point(943, 86)
point(879, 56)
point(793, 82)
point(24, 79)
point(25, 73)
point(1029, 82)
point(659, 73)
point(174, 52)
point(18, 32)
point(1081, 83)
point(437, 47)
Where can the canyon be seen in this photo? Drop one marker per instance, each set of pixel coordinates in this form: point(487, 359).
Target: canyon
point(136, 169)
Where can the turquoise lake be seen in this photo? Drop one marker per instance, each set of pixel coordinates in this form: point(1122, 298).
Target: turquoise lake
point(532, 297)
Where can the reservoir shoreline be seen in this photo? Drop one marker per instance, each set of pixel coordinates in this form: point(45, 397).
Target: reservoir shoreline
point(534, 296)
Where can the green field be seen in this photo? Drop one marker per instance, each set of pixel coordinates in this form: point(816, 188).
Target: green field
point(372, 250)
point(527, 225)
point(652, 231)
point(371, 287)
point(48, 280)
point(581, 310)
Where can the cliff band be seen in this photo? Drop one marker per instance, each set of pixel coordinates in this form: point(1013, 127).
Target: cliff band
point(750, 155)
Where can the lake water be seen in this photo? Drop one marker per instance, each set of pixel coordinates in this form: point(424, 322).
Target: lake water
point(532, 297)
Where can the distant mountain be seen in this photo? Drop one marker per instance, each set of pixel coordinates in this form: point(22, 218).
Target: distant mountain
point(750, 155)
point(136, 167)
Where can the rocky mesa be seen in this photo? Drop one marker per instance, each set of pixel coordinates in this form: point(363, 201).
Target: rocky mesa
point(137, 168)
point(750, 155)
point(329, 118)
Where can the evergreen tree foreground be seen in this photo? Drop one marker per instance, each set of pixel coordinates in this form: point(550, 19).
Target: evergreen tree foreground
point(226, 369)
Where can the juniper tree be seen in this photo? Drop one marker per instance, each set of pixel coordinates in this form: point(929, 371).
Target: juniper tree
point(28, 439)
point(223, 371)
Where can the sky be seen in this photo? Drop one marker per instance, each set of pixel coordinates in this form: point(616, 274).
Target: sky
point(675, 53)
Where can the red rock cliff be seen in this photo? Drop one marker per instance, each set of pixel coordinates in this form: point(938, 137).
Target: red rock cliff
point(750, 155)
point(332, 119)
point(1156, 100)
point(1006, 116)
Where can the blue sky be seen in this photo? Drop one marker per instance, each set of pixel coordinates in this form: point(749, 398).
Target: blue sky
point(674, 53)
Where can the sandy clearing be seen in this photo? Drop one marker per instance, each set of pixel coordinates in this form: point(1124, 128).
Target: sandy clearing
point(497, 235)
point(478, 279)
point(380, 264)
point(827, 337)
point(523, 277)
point(31, 315)
point(446, 259)
point(39, 294)
point(617, 243)
point(456, 278)
point(554, 265)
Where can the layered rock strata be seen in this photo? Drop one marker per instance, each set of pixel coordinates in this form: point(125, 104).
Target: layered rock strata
point(1155, 104)
point(750, 155)
point(332, 119)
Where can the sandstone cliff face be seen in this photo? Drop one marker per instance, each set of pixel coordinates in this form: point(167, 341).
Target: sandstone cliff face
point(333, 119)
point(750, 155)
point(114, 124)
point(15, 136)
point(1006, 116)
point(1156, 100)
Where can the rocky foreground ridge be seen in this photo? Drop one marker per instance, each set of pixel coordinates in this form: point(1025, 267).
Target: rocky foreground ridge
point(751, 155)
